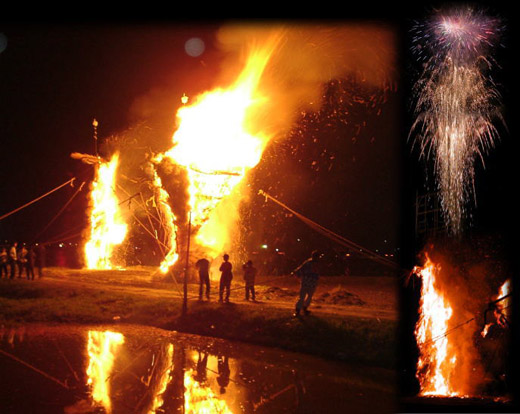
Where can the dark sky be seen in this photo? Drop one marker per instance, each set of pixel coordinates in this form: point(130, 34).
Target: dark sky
point(55, 78)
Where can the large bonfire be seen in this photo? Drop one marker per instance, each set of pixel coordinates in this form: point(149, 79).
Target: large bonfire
point(449, 332)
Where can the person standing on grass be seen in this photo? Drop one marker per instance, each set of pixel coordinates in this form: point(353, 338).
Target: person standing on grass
point(203, 267)
point(23, 260)
point(3, 263)
point(309, 276)
point(13, 259)
point(226, 277)
point(249, 279)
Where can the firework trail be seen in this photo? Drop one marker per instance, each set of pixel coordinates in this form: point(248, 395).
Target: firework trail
point(456, 101)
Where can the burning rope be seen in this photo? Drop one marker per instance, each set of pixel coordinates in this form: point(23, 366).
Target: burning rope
point(37, 199)
point(333, 236)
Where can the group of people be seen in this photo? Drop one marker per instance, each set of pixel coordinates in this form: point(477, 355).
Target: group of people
point(226, 276)
point(15, 261)
point(307, 272)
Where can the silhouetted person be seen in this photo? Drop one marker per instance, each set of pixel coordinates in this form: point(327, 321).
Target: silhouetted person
point(225, 278)
point(13, 259)
point(29, 266)
point(203, 267)
point(4, 259)
point(202, 363)
point(249, 279)
point(223, 373)
point(23, 259)
point(40, 259)
point(308, 274)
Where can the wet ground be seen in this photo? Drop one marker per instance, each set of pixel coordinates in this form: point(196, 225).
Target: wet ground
point(133, 369)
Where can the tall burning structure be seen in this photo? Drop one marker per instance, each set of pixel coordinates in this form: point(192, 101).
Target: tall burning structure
point(107, 227)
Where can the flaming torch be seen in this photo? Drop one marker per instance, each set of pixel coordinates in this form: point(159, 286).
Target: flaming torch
point(456, 102)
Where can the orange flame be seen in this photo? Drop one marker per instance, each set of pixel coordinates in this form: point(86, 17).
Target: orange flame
point(107, 228)
point(502, 309)
point(437, 360)
point(102, 347)
point(168, 220)
point(217, 142)
point(199, 398)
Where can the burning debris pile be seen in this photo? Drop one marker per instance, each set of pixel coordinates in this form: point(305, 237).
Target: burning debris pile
point(454, 356)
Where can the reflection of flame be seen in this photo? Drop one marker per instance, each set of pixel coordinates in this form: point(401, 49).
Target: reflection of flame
point(437, 360)
point(101, 352)
point(502, 310)
point(163, 383)
point(215, 144)
point(200, 399)
point(107, 228)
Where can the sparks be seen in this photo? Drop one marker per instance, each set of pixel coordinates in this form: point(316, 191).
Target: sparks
point(456, 102)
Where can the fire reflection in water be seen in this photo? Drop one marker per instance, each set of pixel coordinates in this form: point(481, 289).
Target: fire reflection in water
point(169, 387)
point(102, 348)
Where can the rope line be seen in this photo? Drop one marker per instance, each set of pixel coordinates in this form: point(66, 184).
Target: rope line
point(36, 199)
point(59, 212)
point(330, 234)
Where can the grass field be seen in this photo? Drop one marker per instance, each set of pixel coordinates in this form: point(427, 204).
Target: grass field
point(353, 319)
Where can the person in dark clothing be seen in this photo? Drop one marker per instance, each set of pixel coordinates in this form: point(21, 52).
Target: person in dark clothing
point(249, 279)
point(225, 278)
point(308, 274)
point(202, 366)
point(26, 259)
point(13, 259)
point(22, 261)
point(223, 373)
point(203, 267)
point(4, 259)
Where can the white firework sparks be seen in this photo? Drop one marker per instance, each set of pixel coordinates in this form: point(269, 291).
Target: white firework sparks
point(456, 102)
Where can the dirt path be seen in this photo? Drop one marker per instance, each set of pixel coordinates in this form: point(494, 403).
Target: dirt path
point(360, 297)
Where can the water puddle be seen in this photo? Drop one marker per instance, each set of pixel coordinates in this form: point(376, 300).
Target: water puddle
point(132, 369)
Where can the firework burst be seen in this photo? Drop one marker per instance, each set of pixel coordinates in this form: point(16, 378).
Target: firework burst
point(456, 102)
